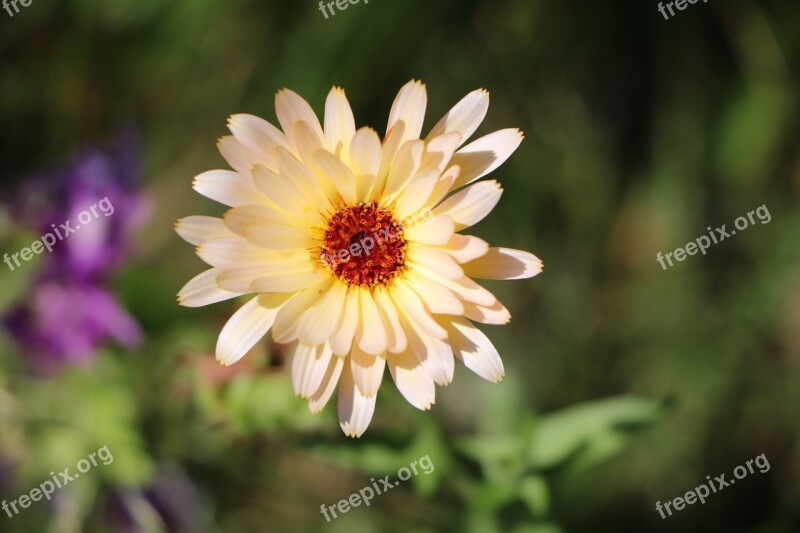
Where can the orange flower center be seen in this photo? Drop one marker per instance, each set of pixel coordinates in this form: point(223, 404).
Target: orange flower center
point(364, 245)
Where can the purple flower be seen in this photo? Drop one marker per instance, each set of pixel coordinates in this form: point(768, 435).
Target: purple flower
point(65, 321)
point(90, 211)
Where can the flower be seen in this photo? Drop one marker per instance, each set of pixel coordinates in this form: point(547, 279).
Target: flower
point(351, 245)
point(66, 320)
point(68, 312)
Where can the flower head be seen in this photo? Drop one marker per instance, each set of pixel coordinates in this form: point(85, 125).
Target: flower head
point(352, 246)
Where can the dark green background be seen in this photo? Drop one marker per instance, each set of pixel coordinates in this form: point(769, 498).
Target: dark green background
point(626, 384)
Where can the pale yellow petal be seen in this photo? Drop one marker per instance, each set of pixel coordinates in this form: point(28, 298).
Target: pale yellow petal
point(342, 339)
point(327, 385)
point(465, 248)
point(291, 108)
point(437, 298)
point(475, 349)
point(258, 135)
point(409, 107)
point(504, 263)
point(280, 237)
point(435, 260)
point(247, 325)
point(318, 323)
point(465, 116)
point(439, 151)
point(395, 336)
point(494, 314)
point(367, 370)
point(232, 252)
point(339, 123)
point(198, 229)
point(412, 379)
point(285, 328)
point(292, 282)
point(227, 187)
point(416, 194)
point(370, 333)
point(338, 174)
point(239, 157)
point(309, 366)
point(411, 305)
point(355, 408)
point(433, 353)
point(438, 231)
point(203, 290)
point(404, 168)
point(481, 157)
point(471, 205)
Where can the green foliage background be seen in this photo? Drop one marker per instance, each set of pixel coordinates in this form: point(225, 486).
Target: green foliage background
point(626, 384)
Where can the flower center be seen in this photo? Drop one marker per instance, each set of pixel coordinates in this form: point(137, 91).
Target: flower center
point(364, 245)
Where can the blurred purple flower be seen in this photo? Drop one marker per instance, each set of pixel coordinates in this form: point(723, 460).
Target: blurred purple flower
point(64, 321)
point(69, 311)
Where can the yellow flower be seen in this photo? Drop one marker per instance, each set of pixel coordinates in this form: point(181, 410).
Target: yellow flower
point(350, 244)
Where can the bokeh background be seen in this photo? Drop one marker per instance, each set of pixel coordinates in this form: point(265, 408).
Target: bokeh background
point(626, 384)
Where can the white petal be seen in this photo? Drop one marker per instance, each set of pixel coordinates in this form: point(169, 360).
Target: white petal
point(317, 324)
point(281, 191)
point(409, 107)
point(261, 137)
point(339, 123)
point(198, 229)
point(443, 186)
point(367, 370)
point(438, 299)
point(465, 116)
point(504, 263)
point(435, 260)
point(395, 336)
point(439, 231)
point(465, 248)
point(280, 237)
point(440, 150)
point(239, 157)
point(471, 205)
point(338, 174)
point(370, 333)
point(475, 350)
point(434, 354)
point(203, 290)
point(292, 282)
point(486, 154)
point(342, 339)
point(494, 314)
point(232, 253)
point(241, 278)
point(416, 194)
point(411, 305)
point(285, 328)
point(328, 384)
point(291, 108)
point(391, 144)
point(355, 408)
point(365, 152)
point(240, 219)
point(227, 187)
point(412, 379)
point(309, 366)
point(404, 168)
point(247, 326)
point(465, 288)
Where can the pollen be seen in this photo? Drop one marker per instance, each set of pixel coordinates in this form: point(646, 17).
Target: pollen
point(364, 245)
